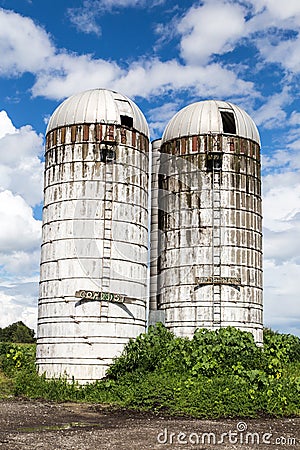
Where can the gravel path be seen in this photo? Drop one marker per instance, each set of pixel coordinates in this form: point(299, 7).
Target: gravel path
point(43, 425)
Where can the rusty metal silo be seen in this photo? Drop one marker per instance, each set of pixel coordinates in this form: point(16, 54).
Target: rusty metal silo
point(210, 221)
point(93, 288)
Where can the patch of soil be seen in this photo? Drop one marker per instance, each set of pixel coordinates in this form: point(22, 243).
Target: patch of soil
point(43, 425)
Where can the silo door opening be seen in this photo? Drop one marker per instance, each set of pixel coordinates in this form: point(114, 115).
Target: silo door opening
point(228, 122)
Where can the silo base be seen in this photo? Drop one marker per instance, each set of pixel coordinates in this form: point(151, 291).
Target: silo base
point(82, 374)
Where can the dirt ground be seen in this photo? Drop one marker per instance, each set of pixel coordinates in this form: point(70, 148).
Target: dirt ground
point(43, 425)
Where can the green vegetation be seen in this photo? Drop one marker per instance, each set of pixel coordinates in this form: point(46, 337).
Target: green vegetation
point(6, 386)
point(215, 374)
point(17, 332)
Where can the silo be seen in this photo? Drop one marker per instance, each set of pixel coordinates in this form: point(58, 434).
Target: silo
point(210, 220)
point(93, 279)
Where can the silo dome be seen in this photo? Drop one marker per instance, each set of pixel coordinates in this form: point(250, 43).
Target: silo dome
point(211, 117)
point(96, 106)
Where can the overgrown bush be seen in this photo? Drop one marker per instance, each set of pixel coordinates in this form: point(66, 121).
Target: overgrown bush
point(145, 353)
point(284, 347)
point(215, 374)
point(227, 350)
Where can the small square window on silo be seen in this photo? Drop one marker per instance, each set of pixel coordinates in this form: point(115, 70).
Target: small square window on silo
point(228, 122)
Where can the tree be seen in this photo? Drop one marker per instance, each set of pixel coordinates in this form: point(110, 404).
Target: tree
point(17, 332)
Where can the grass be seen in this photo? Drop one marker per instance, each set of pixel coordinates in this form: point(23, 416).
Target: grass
point(6, 386)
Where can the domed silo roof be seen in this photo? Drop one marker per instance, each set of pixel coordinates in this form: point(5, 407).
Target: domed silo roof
point(211, 116)
point(98, 106)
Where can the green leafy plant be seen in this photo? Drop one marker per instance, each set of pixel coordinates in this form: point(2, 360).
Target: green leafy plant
point(215, 374)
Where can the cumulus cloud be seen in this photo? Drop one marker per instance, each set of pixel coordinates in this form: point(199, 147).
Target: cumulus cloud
point(6, 126)
point(19, 231)
point(19, 301)
point(26, 46)
point(84, 19)
point(272, 113)
point(21, 175)
point(66, 74)
point(285, 52)
point(283, 190)
point(281, 296)
point(209, 29)
point(21, 169)
point(20, 237)
point(274, 29)
point(154, 77)
point(204, 31)
point(281, 206)
point(295, 118)
point(280, 10)
point(143, 78)
point(282, 244)
point(59, 74)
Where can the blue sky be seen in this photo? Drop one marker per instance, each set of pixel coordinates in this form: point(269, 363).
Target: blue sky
point(164, 55)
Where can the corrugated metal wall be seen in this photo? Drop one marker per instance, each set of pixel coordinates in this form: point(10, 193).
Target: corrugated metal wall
point(210, 262)
point(95, 239)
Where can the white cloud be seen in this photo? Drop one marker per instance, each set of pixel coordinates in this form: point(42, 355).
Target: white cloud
point(286, 52)
point(210, 29)
point(281, 212)
point(67, 74)
point(85, 17)
point(6, 126)
point(84, 20)
point(213, 28)
point(143, 78)
point(283, 246)
point(26, 46)
point(19, 231)
point(21, 170)
point(281, 199)
point(274, 29)
point(281, 296)
point(272, 113)
point(154, 77)
point(59, 74)
point(159, 117)
point(19, 261)
point(281, 10)
point(19, 302)
point(21, 175)
point(295, 118)
point(218, 26)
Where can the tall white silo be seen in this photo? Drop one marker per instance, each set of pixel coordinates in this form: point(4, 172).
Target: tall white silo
point(93, 288)
point(210, 262)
